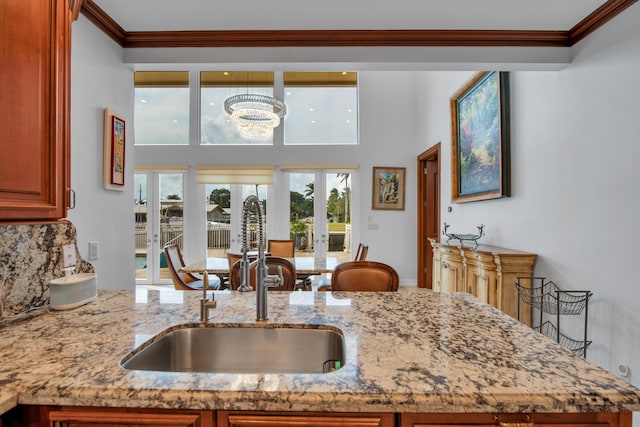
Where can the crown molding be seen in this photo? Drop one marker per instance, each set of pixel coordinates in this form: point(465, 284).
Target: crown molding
point(342, 38)
point(598, 18)
point(104, 22)
point(74, 7)
point(335, 38)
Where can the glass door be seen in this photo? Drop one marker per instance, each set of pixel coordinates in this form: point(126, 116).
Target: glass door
point(303, 216)
point(159, 209)
point(224, 216)
point(338, 206)
point(219, 219)
point(320, 213)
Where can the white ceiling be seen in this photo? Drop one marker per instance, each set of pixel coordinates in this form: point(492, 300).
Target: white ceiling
point(174, 15)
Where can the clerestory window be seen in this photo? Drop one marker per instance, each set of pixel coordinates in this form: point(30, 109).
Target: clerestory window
point(216, 127)
point(322, 107)
point(161, 111)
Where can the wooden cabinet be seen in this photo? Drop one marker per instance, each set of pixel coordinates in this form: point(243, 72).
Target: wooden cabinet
point(451, 270)
point(606, 419)
point(35, 53)
point(488, 272)
point(302, 419)
point(55, 416)
point(120, 418)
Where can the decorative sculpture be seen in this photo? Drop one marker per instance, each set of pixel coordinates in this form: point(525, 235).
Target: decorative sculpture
point(464, 237)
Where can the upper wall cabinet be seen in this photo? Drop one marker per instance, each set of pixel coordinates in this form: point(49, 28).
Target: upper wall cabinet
point(35, 53)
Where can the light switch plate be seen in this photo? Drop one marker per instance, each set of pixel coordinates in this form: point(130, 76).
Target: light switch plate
point(69, 256)
point(93, 251)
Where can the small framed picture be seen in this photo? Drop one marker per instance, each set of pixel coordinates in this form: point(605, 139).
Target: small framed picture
point(388, 188)
point(114, 150)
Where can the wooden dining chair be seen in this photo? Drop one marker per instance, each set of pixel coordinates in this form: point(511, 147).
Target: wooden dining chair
point(273, 262)
point(364, 276)
point(183, 280)
point(232, 258)
point(361, 255)
point(281, 248)
point(361, 252)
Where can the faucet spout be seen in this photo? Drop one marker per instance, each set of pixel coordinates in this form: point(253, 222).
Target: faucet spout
point(263, 280)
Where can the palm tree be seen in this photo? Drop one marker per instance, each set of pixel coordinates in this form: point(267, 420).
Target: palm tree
point(344, 178)
point(308, 192)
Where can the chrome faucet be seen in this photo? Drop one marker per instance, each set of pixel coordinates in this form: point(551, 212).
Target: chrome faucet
point(263, 280)
point(206, 304)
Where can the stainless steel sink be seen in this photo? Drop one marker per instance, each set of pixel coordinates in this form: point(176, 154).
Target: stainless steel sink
point(241, 348)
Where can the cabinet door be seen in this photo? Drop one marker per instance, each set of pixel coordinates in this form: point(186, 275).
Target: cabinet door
point(451, 276)
point(481, 276)
point(104, 418)
point(435, 280)
point(603, 419)
point(308, 419)
point(34, 110)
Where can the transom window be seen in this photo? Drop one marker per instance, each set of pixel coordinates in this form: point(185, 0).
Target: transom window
point(161, 108)
point(216, 127)
point(322, 107)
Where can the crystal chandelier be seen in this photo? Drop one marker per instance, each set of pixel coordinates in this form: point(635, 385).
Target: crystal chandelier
point(255, 115)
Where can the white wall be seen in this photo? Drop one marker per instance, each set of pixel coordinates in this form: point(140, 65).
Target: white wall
point(575, 181)
point(99, 80)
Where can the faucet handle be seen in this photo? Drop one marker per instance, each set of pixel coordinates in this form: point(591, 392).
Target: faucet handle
point(274, 280)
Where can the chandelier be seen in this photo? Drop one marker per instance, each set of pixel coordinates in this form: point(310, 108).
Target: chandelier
point(255, 115)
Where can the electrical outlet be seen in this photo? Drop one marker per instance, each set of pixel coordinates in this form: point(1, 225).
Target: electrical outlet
point(69, 256)
point(93, 251)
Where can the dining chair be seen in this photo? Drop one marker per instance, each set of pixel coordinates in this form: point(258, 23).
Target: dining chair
point(361, 252)
point(281, 248)
point(183, 280)
point(324, 284)
point(364, 276)
point(286, 249)
point(273, 262)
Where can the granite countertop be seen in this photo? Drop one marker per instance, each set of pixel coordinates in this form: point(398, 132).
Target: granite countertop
point(410, 351)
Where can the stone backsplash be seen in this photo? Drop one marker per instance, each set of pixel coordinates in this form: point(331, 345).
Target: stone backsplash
point(30, 257)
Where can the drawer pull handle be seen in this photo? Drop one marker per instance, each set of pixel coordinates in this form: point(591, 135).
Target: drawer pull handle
point(524, 423)
point(445, 265)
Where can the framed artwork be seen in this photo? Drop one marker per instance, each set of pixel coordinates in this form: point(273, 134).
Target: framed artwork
point(480, 157)
point(114, 150)
point(388, 188)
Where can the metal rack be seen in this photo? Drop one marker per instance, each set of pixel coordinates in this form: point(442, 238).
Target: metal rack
point(552, 301)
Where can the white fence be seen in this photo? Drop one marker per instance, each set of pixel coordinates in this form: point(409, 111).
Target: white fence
point(219, 236)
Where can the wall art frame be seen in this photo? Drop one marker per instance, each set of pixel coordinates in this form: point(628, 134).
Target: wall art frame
point(388, 188)
point(480, 148)
point(114, 150)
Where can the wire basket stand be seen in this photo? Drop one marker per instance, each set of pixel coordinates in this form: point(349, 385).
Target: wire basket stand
point(549, 299)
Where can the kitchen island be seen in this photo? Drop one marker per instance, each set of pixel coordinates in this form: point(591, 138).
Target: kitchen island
point(413, 351)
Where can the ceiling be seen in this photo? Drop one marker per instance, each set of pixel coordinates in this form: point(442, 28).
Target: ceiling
point(256, 23)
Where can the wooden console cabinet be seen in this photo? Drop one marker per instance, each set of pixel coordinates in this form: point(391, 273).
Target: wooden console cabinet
point(35, 53)
point(488, 272)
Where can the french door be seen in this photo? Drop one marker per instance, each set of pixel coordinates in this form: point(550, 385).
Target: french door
point(320, 212)
point(224, 216)
point(160, 220)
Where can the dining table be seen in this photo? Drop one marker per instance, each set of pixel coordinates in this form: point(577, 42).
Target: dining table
point(305, 266)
